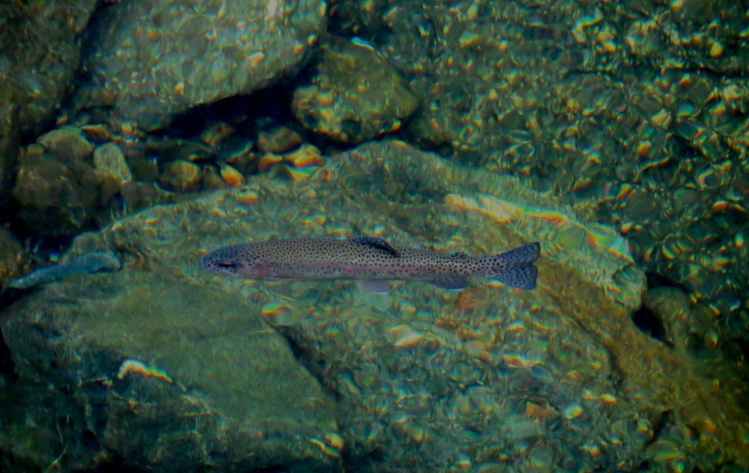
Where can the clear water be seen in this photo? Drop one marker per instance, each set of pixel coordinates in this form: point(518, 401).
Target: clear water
point(614, 134)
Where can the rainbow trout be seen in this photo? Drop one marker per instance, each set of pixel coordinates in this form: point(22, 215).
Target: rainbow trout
point(371, 261)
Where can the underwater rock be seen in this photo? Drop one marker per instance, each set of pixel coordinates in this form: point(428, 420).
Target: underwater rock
point(296, 165)
point(422, 377)
point(278, 140)
point(177, 383)
point(231, 176)
point(11, 253)
point(155, 58)
point(10, 144)
point(215, 133)
point(169, 148)
point(688, 328)
point(507, 95)
point(66, 144)
point(236, 149)
point(354, 95)
point(138, 195)
point(180, 176)
point(111, 171)
point(41, 56)
point(212, 179)
point(573, 99)
point(57, 196)
point(109, 162)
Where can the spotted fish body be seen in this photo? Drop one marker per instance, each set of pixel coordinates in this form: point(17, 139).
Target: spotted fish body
point(369, 260)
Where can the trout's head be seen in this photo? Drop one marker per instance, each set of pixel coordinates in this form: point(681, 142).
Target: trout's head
point(235, 260)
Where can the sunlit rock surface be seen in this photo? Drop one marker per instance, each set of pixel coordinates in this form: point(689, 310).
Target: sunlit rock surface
point(355, 94)
point(165, 357)
point(154, 58)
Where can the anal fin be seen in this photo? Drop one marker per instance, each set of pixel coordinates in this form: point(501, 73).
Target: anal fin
point(451, 283)
point(375, 286)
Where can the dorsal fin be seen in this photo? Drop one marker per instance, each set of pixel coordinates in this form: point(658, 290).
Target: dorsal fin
point(375, 242)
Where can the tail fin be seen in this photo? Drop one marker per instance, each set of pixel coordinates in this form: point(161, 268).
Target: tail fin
point(514, 267)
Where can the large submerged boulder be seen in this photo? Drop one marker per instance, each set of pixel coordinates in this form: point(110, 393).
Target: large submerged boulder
point(168, 366)
point(153, 58)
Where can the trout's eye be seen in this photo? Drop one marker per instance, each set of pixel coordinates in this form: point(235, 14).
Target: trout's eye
point(227, 264)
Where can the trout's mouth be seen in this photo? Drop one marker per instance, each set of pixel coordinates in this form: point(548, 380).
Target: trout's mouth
point(224, 265)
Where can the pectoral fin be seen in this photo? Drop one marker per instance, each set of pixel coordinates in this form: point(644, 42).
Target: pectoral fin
point(375, 286)
point(451, 283)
